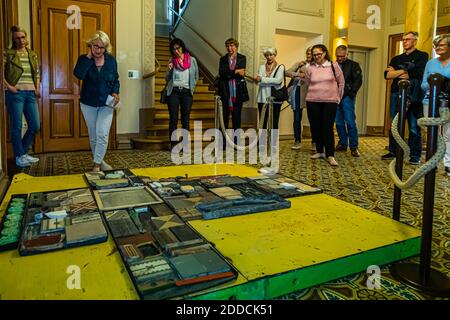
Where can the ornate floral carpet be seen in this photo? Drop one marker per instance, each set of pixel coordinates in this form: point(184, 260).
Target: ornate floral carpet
point(362, 181)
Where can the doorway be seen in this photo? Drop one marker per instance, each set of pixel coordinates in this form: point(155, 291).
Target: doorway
point(63, 127)
point(362, 57)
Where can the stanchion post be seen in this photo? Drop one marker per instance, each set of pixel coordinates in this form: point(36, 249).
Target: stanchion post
point(422, 276)
point(401, 108)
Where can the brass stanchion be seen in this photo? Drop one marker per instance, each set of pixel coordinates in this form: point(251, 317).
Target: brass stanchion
point(422, 276)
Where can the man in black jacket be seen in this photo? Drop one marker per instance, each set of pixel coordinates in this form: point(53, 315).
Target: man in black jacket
point(345, 115)
point(409, 65)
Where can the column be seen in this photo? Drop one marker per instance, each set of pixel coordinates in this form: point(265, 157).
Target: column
point(421, 16)
point(340, 12)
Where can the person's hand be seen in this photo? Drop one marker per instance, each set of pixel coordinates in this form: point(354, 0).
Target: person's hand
point(301, 74)
point(89, 53)
point(13, 89)
point(258, 79)
point(170, 66)
point(37, 93)
point(389, 69)
point(240, 72)
point(405, 76)
point(116, 98)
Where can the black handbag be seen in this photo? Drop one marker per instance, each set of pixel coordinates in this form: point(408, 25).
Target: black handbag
point(281, 94)
point(163, 98)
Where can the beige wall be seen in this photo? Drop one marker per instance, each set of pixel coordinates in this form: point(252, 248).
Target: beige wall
point(291, 48)
point(129, 57)
point(213, 20)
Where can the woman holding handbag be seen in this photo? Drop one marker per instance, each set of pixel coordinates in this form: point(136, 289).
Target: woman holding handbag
point(297, 97)
point(181, 79)
point(270, 77)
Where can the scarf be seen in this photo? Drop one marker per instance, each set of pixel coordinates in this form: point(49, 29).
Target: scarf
point(232, 86)
point(186, 62)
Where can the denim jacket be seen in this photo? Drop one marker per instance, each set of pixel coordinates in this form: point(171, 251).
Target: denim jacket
point(97, 85)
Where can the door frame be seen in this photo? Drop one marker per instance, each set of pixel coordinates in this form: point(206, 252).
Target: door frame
point(35, 16)
point(365, 86)
point(4, 150)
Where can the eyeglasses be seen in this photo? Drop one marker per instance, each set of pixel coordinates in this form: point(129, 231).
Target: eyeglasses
point(408, 39)
point(442, 45)
point(96, 47)
point(176, 48)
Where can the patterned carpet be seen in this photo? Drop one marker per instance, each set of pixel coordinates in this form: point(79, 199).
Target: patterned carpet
point(362, 181)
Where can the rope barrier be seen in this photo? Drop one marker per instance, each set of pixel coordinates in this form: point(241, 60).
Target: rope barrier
point(433, 162)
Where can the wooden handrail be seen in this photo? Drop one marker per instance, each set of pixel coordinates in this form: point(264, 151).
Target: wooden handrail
point(198, 34)
point(251, 79)
point(154, 72)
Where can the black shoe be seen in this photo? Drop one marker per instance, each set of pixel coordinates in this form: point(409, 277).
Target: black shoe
point(355, 152)
point(340, 147)
point(414, 161)
point(388, 156)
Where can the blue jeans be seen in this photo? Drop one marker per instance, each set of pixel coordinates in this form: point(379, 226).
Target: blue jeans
point(23, 102)
point(98, 121)
point(346, 123)
point(298, 114)
point(415, 134)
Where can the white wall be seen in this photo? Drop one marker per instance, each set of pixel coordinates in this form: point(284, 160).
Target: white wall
point(214, 20)
point(291, 48)
point(129, 57)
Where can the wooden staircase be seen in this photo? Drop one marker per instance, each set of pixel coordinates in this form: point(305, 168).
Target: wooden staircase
point(154, 121)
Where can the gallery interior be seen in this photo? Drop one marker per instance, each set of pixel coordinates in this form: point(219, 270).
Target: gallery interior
point(208, 219)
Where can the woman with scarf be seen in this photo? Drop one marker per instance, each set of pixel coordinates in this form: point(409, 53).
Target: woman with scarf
point(232, 87)
point(181, 78)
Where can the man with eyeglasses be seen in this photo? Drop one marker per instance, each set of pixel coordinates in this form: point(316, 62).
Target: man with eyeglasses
point(409, 65)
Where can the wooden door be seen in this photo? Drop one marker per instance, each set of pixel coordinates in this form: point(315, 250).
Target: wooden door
point(63, 125)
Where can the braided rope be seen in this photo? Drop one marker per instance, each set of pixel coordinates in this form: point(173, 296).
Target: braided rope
point(230, 140)
point(432, 163)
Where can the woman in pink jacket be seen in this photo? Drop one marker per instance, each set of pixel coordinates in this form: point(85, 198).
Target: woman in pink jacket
point(326, 87)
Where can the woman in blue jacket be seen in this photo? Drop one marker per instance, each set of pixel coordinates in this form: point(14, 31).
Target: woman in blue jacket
point(98, 71)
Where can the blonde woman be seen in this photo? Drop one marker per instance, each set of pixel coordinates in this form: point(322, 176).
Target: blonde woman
point(98, 71)
point(22, 84)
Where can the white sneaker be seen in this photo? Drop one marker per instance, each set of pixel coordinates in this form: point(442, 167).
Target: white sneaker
point(296, 146)
point(318, 156)
point(31, 159)
point(23, 162)
point(105, 167)
point(268, 171)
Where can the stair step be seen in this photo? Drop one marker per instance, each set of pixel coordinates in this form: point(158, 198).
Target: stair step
point(165, 127)
point(198, 104)
point(194, 116)
point(204, 88)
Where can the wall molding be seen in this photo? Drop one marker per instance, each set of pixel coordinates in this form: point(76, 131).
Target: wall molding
point(377, 131)
point(148, 50)
point(400, 18)
point(4, 184)
point(247, 39)
point(294, 6)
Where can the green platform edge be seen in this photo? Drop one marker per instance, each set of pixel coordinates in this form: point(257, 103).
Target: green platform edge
point(284, 283)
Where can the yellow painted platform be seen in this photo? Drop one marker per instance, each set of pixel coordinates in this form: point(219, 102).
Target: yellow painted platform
point(318, 239)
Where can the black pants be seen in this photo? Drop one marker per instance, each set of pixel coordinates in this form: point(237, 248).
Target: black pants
point(323, 115)
point(276, 114)
point(179, 100)
point(236, 114)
